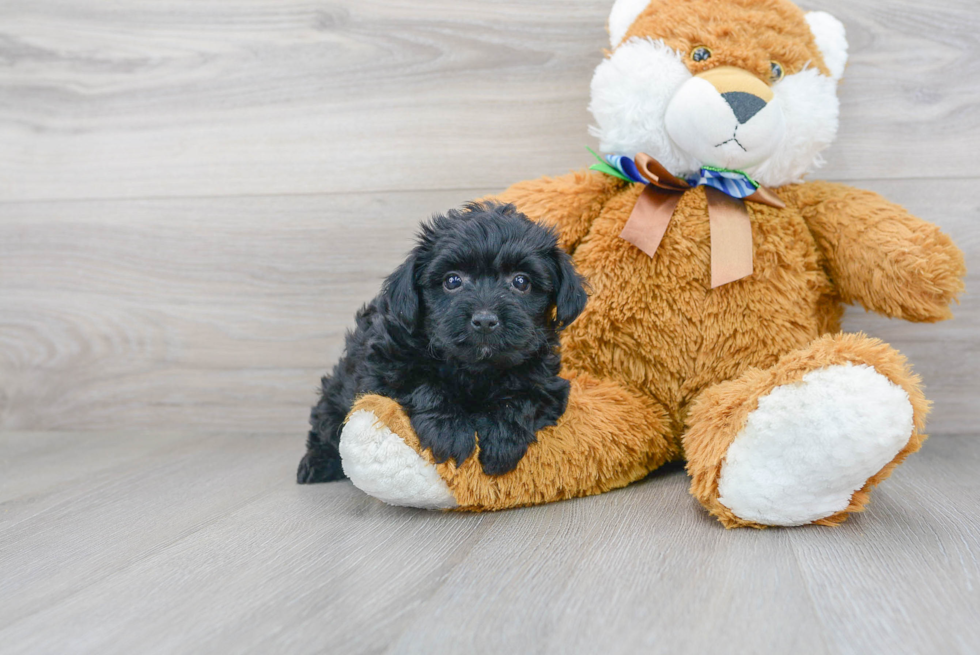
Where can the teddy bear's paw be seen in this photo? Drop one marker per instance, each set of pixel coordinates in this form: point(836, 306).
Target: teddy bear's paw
point(381, 464)
point(810, 446)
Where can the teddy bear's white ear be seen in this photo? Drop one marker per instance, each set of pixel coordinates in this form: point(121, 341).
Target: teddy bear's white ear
point(831, 39)
point(624, 12)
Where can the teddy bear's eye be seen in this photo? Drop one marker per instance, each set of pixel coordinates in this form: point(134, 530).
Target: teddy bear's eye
point(701, 53)
point(776, 72)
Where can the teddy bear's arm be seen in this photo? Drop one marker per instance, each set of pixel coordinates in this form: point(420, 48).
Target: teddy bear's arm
point(569, 203)
point(879, 255)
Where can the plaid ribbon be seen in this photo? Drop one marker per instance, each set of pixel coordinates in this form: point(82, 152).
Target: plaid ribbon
point(726, 191)
point(732, 183)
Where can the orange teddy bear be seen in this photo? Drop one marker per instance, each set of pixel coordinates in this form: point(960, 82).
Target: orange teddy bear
point(719, 277)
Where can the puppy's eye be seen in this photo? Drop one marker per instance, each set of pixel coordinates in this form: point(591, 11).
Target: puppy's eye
point(701, 53)
point(522, 283)
point(452, 282)
point(776, 71)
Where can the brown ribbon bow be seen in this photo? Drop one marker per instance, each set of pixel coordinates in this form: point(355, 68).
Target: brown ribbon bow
point(731, 228)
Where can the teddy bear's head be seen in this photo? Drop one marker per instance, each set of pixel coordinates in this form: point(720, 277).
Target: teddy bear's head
point(747, 85)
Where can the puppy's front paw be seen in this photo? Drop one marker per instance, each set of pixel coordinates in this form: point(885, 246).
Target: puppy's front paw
point(503, 445)
point(449, 437)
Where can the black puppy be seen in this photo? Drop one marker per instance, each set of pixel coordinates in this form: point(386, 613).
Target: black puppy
point(464, 335)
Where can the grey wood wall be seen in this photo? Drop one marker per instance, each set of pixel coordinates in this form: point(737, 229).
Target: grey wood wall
point(195, 195)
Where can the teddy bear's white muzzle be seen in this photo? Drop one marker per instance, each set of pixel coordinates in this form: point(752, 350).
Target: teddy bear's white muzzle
point(724, 128)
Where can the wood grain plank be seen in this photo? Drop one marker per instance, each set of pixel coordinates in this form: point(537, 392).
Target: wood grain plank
point(104, 522)
point(906, 578)
point(218, 539)
point(223, 313)
point(213, 548)
point(639, 570)
point(235, 306)
point(905, 85)
point(110, 100)
point(40, 470)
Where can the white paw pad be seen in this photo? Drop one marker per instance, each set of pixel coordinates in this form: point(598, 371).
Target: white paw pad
point(809, 446)
point(380, 464)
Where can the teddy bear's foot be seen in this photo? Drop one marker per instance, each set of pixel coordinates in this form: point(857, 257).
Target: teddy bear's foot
point(380, 463)
point(804, 441)
point(811, 444)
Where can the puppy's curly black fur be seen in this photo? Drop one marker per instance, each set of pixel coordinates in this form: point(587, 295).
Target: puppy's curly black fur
point(464, 335)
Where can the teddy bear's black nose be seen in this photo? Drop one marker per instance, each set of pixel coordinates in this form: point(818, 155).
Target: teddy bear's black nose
point(745, 105)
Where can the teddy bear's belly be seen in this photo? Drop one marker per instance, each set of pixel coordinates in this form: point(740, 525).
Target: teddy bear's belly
point(656, 326)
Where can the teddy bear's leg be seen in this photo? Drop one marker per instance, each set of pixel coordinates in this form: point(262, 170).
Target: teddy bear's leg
point(607, 438)
point(804, 441)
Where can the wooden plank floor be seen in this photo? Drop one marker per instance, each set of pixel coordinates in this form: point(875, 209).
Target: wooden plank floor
point(196, 195)
point(148, 542)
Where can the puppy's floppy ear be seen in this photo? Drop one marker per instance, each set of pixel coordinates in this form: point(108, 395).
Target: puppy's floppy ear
point(401, 296)
point(401, 291)
point(570, 294)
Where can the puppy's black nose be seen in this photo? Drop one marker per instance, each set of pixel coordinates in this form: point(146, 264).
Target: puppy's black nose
point(485, 322)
